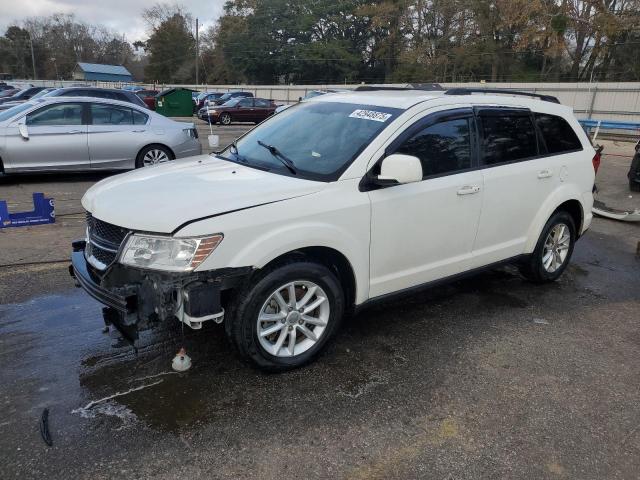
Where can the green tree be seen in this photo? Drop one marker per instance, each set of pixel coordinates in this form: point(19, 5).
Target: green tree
point(171, 49)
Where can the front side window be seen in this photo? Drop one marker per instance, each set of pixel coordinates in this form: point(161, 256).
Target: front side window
point(261, 102)
point(507, 137)
point(245, 103)
point(321, 139)
point(110, 115)
point(442, 148)
point(57, 114)
point(558, 135)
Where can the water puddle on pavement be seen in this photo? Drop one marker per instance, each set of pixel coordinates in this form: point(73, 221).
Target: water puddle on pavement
point(54, 355)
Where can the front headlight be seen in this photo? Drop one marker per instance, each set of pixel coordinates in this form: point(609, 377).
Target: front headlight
point(168, 253)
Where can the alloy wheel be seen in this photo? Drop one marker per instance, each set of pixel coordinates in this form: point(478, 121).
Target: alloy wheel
point(293, 318)
point(556, 247)
point(154, 156)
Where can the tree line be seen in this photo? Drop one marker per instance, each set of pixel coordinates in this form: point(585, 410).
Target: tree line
point(330, 41)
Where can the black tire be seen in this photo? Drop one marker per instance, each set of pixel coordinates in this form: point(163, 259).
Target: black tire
point(243, 329)
point(225, 119)
point(532, 267)
point(149, 148)
point(634, 186)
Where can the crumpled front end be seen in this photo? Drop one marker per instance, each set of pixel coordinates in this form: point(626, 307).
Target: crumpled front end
point(137, 299)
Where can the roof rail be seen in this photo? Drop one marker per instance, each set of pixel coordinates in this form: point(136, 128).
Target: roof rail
point(409, 86)
point(503, 91)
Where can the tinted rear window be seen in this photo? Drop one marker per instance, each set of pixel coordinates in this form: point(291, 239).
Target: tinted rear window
point(507, 137)
point(557, 134)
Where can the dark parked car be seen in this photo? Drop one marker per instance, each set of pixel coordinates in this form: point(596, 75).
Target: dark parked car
point(108, 93)
point(12, 103)
point(239, 110)
point(22, 95)
point(8, 92)
point(205, 97)
point(148, 97)
point(228, 96)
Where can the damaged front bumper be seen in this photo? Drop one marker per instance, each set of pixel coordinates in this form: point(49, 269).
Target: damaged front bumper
point(136, 299)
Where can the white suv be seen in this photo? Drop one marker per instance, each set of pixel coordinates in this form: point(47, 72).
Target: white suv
point(333, 204)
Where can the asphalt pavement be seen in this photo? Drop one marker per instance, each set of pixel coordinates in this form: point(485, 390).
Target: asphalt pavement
point(491, 377)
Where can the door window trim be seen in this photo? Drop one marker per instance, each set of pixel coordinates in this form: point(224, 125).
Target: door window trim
point(84, 114)
point(544, 143)
point(490, 111)
point(90, 115)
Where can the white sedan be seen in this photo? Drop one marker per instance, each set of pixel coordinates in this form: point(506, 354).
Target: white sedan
point(83, 133)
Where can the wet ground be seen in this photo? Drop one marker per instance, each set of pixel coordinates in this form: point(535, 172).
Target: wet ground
point(491, 377)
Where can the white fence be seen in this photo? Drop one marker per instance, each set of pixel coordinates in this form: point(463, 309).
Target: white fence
point(600, 101)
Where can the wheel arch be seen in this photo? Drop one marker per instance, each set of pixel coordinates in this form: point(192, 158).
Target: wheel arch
point(574, 208)
point(155, 144)
point(331, 258)
point(567, 199)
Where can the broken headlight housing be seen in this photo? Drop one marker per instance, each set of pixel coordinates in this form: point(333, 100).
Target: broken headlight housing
point(170, 254)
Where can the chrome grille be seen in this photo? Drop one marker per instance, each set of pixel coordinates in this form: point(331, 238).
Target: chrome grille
point(103, 242)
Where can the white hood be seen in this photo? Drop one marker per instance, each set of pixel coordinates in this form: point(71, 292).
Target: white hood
point(163, 197)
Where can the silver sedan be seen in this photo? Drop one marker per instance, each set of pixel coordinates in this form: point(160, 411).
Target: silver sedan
point(82, 133)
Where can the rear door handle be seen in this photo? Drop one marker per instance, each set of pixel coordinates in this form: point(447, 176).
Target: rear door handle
point(75, 131)
point(138, 131)
point(469, 190)
point(545, 174)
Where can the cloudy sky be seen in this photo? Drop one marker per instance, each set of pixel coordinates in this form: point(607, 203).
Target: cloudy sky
point(122, 16)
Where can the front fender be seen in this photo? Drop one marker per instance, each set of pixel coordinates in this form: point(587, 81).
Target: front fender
point(337, 217)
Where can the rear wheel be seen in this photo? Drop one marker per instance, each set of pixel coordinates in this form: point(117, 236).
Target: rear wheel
point(225, 119)
point(287, 315)
point(553, 250)
point(152, 155)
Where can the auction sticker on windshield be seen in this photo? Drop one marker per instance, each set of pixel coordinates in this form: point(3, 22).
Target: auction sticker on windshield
point(370, 115)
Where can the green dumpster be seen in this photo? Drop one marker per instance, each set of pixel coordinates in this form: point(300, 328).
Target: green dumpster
point(175, 102)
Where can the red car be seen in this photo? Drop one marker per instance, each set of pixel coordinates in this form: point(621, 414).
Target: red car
point(240, 110)
point(148, 97)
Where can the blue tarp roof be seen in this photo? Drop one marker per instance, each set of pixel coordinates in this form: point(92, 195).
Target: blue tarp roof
point(107, 69)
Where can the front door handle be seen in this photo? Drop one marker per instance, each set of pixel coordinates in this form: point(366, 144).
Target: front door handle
point(75, 131)
point(469, 190)
point(138, 131)
point(545, 174)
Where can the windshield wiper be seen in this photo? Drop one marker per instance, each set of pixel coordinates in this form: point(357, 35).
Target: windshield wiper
point(287, 162)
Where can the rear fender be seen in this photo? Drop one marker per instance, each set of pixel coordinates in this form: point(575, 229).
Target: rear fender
point(562, 194)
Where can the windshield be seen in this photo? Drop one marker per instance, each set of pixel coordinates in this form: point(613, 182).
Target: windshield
point(42, 93)
point(231, 103)
point(321, 139)
point(10, 112)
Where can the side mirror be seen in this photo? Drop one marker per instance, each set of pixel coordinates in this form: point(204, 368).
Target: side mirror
point(24, 131)
point(398, 169)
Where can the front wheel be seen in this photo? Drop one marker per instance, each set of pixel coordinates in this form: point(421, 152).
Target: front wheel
point(553, 250)
point(225, 119)
point(287, 315)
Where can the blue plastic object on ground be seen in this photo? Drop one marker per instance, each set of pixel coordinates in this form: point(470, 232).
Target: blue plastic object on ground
point(43, 212)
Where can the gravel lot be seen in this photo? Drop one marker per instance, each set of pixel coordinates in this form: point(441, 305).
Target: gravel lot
point(490, 377)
